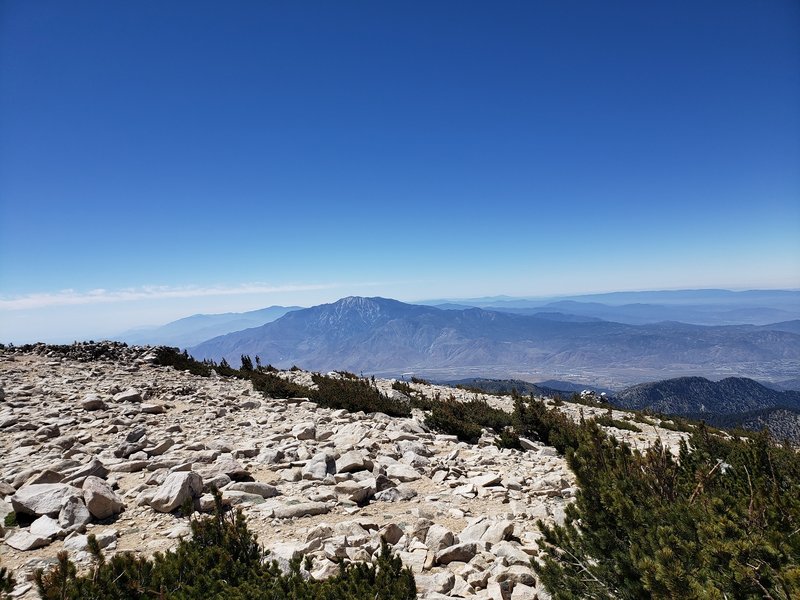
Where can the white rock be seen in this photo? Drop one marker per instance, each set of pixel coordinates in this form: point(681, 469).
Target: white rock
point(304, 431)
point(402, 472)
point(497, 532)
point(350, 462)
point(74, 513)
point(302, 509)
point(46, 527)
point(24, 541)
point(459, 552)
point(523, 592)
point(176, 489)
point(439, 538)
point(42, 498)
point(439, 583)
point(100, 499)
point(264, 490)
point(487, 480)
point(92, 402)
point(129, 395)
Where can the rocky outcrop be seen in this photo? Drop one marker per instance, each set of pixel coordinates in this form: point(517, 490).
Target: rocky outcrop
point(84, 453)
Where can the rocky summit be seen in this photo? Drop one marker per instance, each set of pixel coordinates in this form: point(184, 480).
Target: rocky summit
point(99, 439)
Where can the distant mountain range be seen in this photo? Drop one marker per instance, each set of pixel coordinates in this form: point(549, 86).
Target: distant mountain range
point(730, 402)
point(525, 388)
point(192, 330)
point(388, 337)
point(698, 307)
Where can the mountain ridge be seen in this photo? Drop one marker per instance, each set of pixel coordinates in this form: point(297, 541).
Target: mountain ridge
point(386, 336)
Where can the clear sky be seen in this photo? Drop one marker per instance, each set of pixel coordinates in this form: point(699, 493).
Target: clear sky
point(162, 158)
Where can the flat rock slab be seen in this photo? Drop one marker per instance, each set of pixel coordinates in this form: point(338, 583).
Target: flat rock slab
point(488, 479)
point(460, 552)
point(24, 541)
point(402, 472)
point(264, 490)
point(42, 498)
point(302, 509)
point(46, 527)
point(129, 395)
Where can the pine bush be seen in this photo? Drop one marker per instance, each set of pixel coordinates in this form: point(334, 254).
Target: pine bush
point(722, 520)
point(7, 583)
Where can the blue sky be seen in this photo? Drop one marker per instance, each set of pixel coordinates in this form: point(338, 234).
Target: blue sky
point(159, 159)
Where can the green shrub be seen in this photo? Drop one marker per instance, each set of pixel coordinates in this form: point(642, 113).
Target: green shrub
point(720, 521)
point(172, 357)
point(221, 561)
point(676, 424)
point(422, 402)
point(7, 582)
point(479, 411)
point(420, 380)
point(464, 419)
point(608, 421)
point(508, 439)
point(448, 417)
point(347, 374)
point(275, 386)
point(533, 419)
point(355, 395)
point(404, 388)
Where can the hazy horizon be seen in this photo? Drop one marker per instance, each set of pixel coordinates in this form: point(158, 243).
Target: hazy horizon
point(112, 315)
point(163, 159)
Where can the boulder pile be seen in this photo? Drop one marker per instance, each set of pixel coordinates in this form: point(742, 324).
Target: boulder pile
point(99, 439)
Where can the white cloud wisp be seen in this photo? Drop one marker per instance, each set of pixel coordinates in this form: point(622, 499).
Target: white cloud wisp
point(103, 296)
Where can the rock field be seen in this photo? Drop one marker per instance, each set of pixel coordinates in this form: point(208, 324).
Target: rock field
point(106, 442)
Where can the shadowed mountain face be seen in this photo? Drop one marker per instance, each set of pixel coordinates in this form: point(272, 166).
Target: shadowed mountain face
point(694, 395)
point(389, 337)
point(730, 402)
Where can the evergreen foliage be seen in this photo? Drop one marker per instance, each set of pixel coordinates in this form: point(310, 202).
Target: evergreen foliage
point(221, 561)
point(720, 521)
point(404, 388)
point(508, 438)
point(172, 357)
point(355, 395)
point(533, 419)
point(465, 419)
point(609, 421)
point(275, 386)
point(447, 417)
point(7, 583)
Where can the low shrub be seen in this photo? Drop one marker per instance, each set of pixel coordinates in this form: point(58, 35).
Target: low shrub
point(607, 421)
point(7, 583)
point(448, 417)
point(508, 439)
point(275, 386)
point(355, 395)
point(533, 419)
point(173, 357)
point(404, 388)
